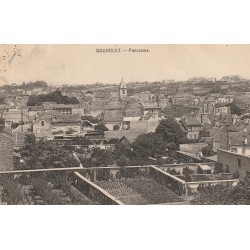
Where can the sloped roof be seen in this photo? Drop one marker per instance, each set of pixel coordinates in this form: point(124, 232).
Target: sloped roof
point(151, 106)
point(191, 121)
point(6, 132)
point(36, 108)
point(204, 167)
point(19, 138)
point(67, 118)
point(112, 116)
point(133, 110)
point(128, 134)
point(114, 95)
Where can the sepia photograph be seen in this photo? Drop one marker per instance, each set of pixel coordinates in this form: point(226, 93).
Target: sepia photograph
point(124, 124)
point(144, 105)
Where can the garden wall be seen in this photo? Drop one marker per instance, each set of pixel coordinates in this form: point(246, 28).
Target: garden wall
point(94, 192)
point(168, 180)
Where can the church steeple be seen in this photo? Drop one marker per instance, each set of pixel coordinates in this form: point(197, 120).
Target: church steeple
point(123, 89)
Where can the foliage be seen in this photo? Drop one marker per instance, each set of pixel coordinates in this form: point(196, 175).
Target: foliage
point(13, 194)
point(116, 127)
point(187, 171)
point(225, 195)
point(101, 127)
point(90, 119)
point(14, 125)
point(149, 145)
point(173, 171)
point(70, 131)
point(58, 132)
point(218, 168)
point(102, 157)
point(171, 131)
point(46, 154)
point(235, 109)
point(55, 96)
point(2, 99)
point(207, 151)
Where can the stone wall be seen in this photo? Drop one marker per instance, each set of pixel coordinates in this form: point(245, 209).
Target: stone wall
point(167, 180)
point(94, 192)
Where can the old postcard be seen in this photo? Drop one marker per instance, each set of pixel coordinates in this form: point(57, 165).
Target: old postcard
point(124, 124)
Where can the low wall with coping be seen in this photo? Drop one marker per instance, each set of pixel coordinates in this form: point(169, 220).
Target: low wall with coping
point(182, 187)
point(94, 192)
point(172, 182)
point(192, 188)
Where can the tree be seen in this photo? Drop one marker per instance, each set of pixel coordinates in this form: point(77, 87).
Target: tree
point(171, 131)
point(55, 96)
point(102, 157)
point(46, 154)
point(224, 195)
point(101, 127)
point(70, 131)
point(116, 127)
point(235, 109)
point(149, 145)
point(207, 151)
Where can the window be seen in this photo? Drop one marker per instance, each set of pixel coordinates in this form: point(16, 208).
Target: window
point(42, 123)
point(239, 162)
point(123, 92)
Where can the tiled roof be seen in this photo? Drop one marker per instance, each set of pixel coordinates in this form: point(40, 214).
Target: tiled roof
point(67, 118)
point(192, 121)
point(133, 110)
point(112, 116)
point(128, 134)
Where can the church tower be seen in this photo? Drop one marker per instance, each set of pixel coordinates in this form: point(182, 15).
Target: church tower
point(123, 89)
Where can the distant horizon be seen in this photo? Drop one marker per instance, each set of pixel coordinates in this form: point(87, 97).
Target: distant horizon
point(107, 64)
point(116, 83)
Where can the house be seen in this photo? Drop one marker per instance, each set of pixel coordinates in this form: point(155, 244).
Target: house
point(19, 138)
point(132, 112)
point(235, 161)
point(6, 149)
point(112, 119)
point(64, 123)
point(16, 116)
point(87, 126)
point(42, 127)
point(180, 109)
point(94, 135)
point(145, 97)
point(49, 105)
point(97, 107)
point(62, 109)
point(33, 111)
point(153, 108)
point(222, 108)
point(119, 134)
point(135, 129)
point(192, 126)
point(204, 169)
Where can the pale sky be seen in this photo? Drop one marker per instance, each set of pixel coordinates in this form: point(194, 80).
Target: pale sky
point(80, 64)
